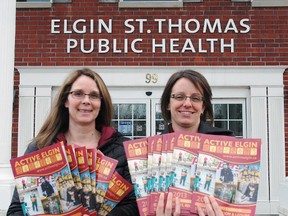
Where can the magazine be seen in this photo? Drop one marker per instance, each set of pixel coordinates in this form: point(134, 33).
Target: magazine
point(185, 153)
point(105, 167)
point(228, 168)
point(92, 154)
point(155, 174)
point(44, 182)
point(147, 180)
point(117, 190)
point(169, 159)
point(87, 197)
point(163, 165)
point(137, 155)
point(72, 161)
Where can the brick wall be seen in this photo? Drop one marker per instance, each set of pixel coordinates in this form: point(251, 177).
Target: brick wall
point(266, 44)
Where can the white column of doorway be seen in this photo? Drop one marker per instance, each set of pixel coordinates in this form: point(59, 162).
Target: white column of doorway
point(7, 44)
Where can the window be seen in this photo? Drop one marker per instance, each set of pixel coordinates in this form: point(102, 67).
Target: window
point(131, 119)
point(150, 4)
point(38, 3)
point(270, 3)
point(159, 124)
point(230, 115)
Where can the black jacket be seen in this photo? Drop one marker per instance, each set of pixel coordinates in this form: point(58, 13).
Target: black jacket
point(111, 145)
point(205, 128)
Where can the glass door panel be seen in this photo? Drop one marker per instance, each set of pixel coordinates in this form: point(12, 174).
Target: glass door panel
point(132, 118)
point(230, 114)
point(158, 125)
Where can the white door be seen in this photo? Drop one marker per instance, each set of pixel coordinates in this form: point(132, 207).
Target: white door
point(137, 118)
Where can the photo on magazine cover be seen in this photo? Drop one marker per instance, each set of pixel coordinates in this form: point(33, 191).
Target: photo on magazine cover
point(140, 180)
point(225, 192)
point(68, 193)
point(33, 190)
point(213, 174)
point(52, 205)
point(248, 184)
point(25, 183)
point(76, 178)
point(101, 191)
point(106, 207)
point(47, 186)
point(31, 202)
point(181, 169)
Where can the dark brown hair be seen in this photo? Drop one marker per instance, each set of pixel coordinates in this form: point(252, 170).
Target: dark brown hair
point(201, 84)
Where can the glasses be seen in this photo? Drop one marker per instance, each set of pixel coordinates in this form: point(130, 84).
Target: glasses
point(79, 95)
point(182, 97)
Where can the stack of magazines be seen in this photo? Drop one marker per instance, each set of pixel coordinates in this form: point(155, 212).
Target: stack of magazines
point(193, 165)
point(68, 180)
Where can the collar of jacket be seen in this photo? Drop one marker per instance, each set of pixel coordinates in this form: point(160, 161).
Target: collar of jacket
point(106, 134)
point(204, 128)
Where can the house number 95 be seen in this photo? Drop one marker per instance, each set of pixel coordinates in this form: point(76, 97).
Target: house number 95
point(151, 78)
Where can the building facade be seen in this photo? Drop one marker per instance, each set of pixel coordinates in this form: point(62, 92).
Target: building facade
point(240, 46)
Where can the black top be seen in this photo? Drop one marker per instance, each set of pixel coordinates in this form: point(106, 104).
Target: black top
point(205, 128)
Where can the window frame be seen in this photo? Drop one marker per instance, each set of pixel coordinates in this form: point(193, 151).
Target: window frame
point(269, 3)
point(39, 4)
point(150, 4)
point(229, 101)
point(131, 101)
point(34, 4)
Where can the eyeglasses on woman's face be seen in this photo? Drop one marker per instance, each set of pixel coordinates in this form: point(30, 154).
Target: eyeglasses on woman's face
point(197, 98)
point(80, 95)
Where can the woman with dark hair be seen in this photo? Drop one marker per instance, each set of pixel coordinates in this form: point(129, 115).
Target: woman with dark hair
point(186, 106)
point(82, 115)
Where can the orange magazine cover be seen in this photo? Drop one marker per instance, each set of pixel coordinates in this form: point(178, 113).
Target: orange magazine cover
point(92, 154)
point(87, 197)
point(43, 180)
point(72, 161)
point(228, 168)
point(169, 160)
point(105, 167)
point(163, 164)
point(156, 163)
point(147, 180)
point(117, 190)
point(185, 153)
point(137, 155)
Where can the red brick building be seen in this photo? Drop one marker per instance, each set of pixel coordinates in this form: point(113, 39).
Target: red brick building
point(240, 46)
